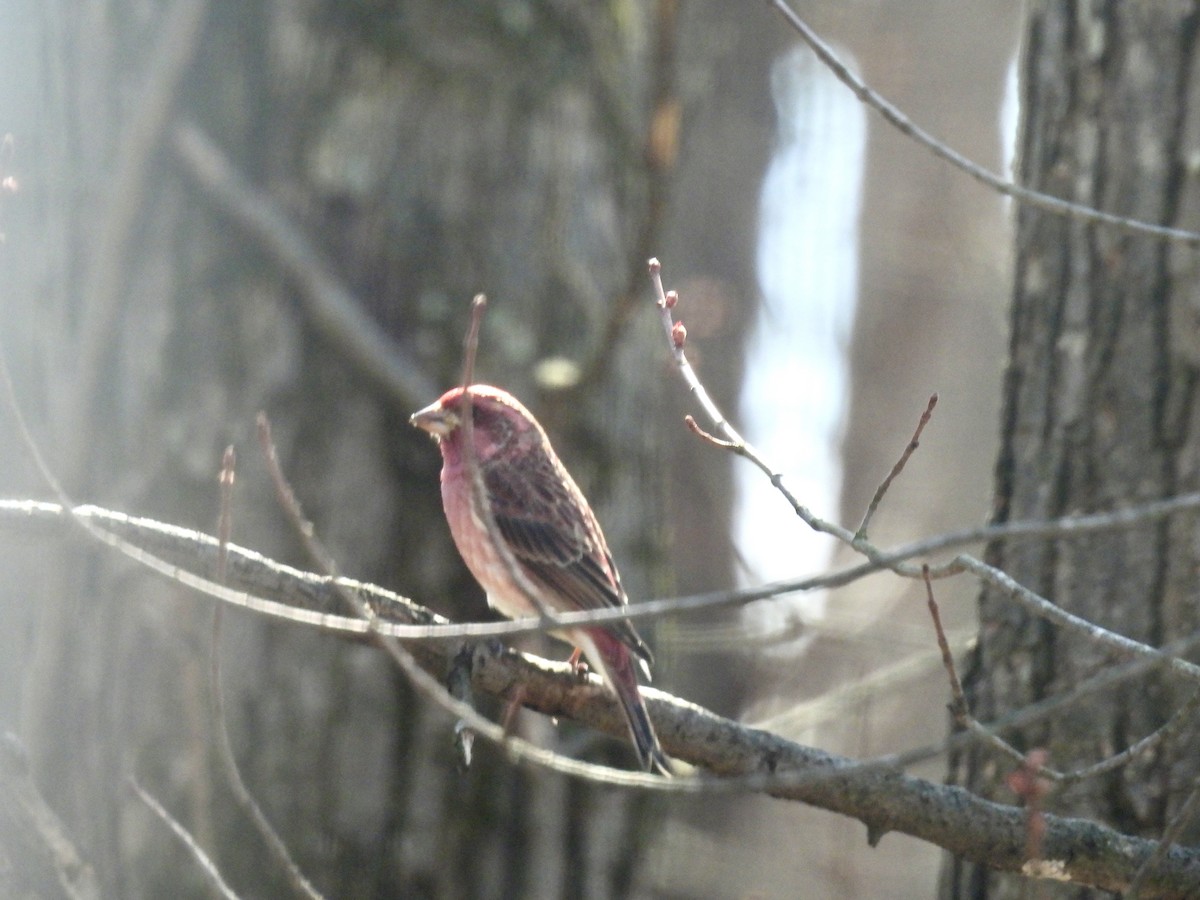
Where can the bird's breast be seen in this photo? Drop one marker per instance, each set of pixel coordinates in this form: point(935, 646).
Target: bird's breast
point(478, 549)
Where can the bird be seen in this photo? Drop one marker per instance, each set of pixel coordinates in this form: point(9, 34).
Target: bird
point(553, 540)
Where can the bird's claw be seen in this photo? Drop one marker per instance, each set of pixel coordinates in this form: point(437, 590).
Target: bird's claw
point(579, 666)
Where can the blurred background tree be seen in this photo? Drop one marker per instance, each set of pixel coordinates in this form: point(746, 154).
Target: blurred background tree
point(197, 179)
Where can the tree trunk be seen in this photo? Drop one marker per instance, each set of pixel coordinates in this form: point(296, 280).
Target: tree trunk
point(1098, 407)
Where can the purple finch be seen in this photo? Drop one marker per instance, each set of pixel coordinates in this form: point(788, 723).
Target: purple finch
point(551, 536)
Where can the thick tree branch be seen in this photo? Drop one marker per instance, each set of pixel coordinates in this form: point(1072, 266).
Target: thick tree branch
point(881, 797)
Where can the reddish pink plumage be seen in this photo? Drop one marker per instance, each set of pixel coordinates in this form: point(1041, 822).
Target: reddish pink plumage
point(549, 531)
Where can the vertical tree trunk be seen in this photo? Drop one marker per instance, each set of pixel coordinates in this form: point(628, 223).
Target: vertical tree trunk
point(1098, 407)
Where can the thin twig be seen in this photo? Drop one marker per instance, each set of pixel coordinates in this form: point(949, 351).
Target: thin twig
point(1172, 832)
point(913, 444)
point(225, 519)
point(207, 866)
point(290, 505)
point(1185, 715)
point(958, 704)
point(695, 429)
point(184, 545)
point(897, 119)
point(685, 368)
point(959, 708)
point(24, 811)
point(471, 341)
point(464, 737)
point(481, 506)
point(296, 879)
point(1065, 527)
point(1042, 608)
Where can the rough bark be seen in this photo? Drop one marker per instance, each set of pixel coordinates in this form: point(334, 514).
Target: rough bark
point(1098, 404)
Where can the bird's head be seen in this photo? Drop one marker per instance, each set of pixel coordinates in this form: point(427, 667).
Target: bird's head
point(497, 418)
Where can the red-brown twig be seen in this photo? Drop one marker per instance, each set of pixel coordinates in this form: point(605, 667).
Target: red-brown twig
point(480, 504)
point(694, 428)
point(677, 339)
point(958, 703)
point(913, 444)
point(959, 707)
point(291, 508)
point(296, 879)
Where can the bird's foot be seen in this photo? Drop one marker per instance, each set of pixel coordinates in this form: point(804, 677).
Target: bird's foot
point(578, 664)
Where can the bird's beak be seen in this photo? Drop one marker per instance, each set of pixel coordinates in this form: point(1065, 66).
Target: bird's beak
point(435, 419)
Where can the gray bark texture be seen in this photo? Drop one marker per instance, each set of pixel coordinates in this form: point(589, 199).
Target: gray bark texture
point(1099, 401)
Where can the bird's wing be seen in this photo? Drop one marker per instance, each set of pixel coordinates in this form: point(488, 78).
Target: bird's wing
point(550, 530)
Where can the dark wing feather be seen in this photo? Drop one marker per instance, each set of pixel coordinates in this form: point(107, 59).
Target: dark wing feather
point(550, 530)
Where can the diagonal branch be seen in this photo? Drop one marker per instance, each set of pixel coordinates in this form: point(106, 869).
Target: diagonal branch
point(330, 305)
point(873, 792)
point(898, 120)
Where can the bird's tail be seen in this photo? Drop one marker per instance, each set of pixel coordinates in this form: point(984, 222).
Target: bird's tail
point(618, 666)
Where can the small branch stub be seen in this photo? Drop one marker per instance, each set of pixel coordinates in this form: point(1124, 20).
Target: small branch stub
point(695, 428)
